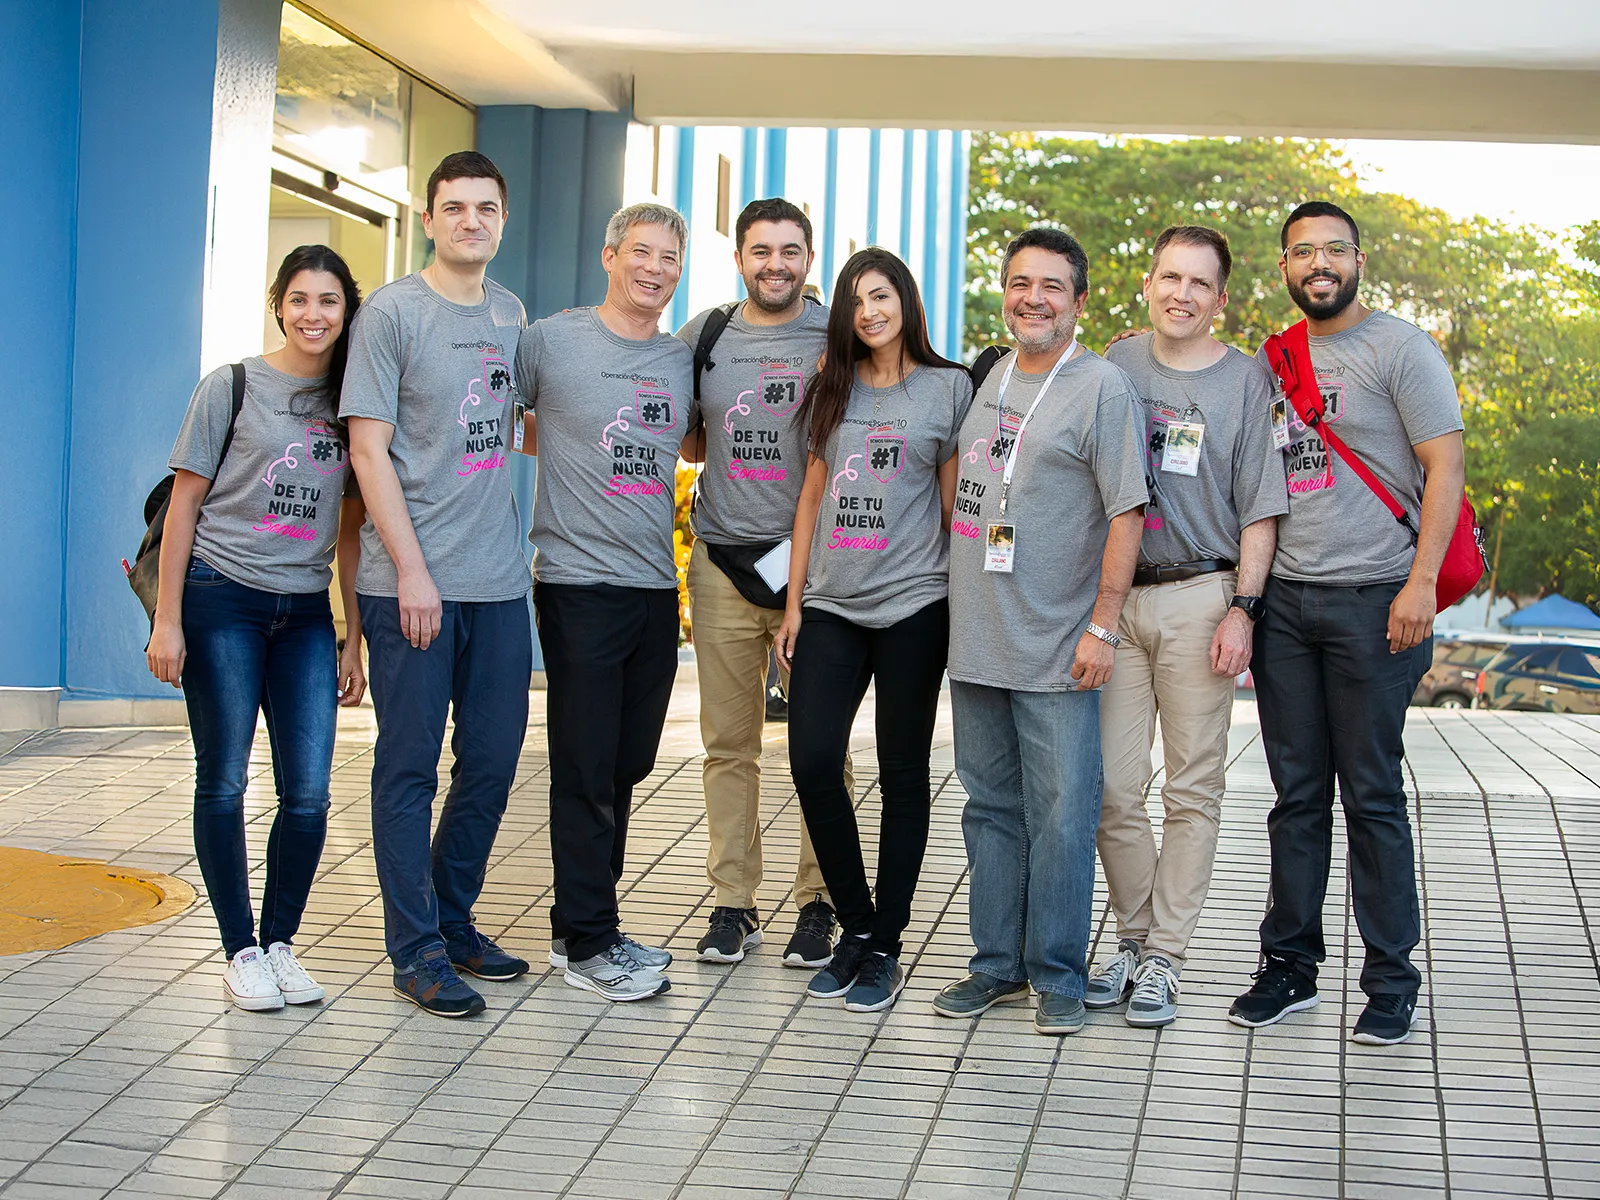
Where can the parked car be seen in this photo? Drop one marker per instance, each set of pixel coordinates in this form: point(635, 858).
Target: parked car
point(1560, 677)
point(1452, 681)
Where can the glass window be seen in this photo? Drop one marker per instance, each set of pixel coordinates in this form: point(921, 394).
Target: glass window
point(340, 106)
point(1472, 654)
point(1542, 659)
point(439, 126)
point(1583, 664)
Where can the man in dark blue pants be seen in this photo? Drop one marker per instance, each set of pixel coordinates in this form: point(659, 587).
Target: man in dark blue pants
point(443, 584)
point(1347, 629)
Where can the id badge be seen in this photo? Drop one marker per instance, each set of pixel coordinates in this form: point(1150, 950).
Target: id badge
point(519, 410)
point(1280, 423)
point(1182, 453)
point(1000, 548)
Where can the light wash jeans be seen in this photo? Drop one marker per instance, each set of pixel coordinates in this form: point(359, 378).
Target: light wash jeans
point(1030, 762)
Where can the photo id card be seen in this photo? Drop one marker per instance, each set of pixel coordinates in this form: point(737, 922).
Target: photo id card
point(519, 413)
point(1181, 456)
point(1280, 423)
point(1000, 548)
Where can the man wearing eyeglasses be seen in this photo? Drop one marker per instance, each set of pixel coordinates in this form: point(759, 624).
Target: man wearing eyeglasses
point(1347, 629)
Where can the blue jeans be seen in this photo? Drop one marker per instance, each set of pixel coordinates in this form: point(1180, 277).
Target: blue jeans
point(251, 651)
point(1333, 705)
point(1030, 762)
point(479, 665)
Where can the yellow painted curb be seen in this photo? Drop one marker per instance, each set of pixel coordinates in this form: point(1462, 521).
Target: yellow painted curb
point(48, 901)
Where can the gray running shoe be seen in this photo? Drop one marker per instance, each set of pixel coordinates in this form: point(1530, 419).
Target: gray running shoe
point(1057, 1014)
point(1155, 991)
point(558, 953)
point(616, 975)
point(977, 993)
point(1112, 981)
point(654, 957)
point(877, 984)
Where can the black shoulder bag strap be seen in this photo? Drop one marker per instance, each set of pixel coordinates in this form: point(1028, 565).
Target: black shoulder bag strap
point(238, 407)
point(716, 321)
point(984, 363)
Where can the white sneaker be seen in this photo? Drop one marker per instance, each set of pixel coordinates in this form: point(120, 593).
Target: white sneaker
point(249, 982)
point(297, 987)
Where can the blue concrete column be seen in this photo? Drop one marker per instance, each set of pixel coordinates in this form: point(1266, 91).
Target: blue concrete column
point(830, 216)
point(932, 298)
point(874, 183)
point(956, 283)
point(777, 165)
point(907, 149)
point(749, 152)
point(39, 63)
point(147, 85)
point(563, 170)
point(683, 201)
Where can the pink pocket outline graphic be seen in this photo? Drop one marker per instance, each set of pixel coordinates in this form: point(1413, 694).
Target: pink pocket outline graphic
point(780, 391)
point(325, 450)
point(885, 451)
point(655, 410)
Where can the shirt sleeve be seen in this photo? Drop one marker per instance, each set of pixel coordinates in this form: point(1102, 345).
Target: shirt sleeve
point(530, 349)
point(205, 426)
point(1424, 390)
point(951, 442)
point(1260, 489)
point(372, 373)
point(1116, 452)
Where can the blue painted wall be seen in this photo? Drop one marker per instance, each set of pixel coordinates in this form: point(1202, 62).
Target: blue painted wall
point(39, 136)
point(143, 176)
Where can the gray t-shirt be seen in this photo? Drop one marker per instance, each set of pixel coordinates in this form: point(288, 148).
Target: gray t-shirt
point(1238, 479)
point(755, 453)
point(612, 413)
point(880, 553)
point(440, 373)
point(1080, 463)
point(271, 519)
point(1385, 387)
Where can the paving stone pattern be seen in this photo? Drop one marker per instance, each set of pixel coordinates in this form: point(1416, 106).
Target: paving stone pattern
point(123, 1072)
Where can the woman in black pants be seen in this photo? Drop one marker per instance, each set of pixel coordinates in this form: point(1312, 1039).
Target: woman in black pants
point(868, 602)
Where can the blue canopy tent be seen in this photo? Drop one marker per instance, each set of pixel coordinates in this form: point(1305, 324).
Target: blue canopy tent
point(1554, 614)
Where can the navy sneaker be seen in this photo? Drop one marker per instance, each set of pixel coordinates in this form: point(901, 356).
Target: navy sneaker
point(475, 954)
point(432, 984)
point(836, 978)
point(1278, 990)
point(877, 984)
point(1387, 1019)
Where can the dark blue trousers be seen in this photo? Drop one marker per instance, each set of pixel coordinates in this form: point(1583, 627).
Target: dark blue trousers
point(1332, 702)
point(478, 667)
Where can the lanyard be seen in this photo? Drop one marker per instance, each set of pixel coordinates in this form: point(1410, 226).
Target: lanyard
point(1000, 402)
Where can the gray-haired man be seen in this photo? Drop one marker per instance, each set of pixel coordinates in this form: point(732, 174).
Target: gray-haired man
point(612, 398)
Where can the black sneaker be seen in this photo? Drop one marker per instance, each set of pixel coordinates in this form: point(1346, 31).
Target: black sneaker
point(812, 943)
point(1278, 990)
point(777, 706)
point(475, 954)
point(1387, 1019)
point(432, 984)
point(732, 932)
point(839, 976)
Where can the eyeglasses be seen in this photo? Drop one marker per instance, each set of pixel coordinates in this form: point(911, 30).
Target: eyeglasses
point(1336, 252)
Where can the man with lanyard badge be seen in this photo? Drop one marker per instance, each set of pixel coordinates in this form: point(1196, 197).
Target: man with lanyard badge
point(752, 363)
point(1216, 491)
point(1051, 487)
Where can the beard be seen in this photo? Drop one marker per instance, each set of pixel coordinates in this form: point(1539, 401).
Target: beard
point(1322, 310)
point(766, 302)
point(1039, 341)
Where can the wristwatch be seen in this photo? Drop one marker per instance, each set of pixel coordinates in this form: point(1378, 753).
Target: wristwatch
point(1255, 607)
point(1109, 637)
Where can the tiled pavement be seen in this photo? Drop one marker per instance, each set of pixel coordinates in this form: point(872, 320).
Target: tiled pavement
point(122, 1071)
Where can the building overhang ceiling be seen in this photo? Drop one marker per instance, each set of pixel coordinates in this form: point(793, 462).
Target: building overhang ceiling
point(1483, 70)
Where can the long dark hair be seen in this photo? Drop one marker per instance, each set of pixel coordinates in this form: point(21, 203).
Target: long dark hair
point(828, 394)
point(320, 258)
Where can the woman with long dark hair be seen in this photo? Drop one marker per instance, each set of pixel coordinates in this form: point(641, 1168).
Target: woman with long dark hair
point(243, 622)
point(868, 603)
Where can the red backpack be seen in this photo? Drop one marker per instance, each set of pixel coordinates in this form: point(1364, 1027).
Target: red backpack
point(1289, 354)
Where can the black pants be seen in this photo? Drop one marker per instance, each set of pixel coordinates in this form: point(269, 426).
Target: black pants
point(610, 654)
point(1333, 705)
point(833, 661)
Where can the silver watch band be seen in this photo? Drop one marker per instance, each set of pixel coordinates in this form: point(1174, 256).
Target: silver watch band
point(1108, 636)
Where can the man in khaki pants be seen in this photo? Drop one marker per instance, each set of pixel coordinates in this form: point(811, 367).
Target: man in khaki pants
point(1216, 479)
point(752, 362)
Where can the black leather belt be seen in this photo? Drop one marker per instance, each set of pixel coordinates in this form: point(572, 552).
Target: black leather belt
point(1146, 574)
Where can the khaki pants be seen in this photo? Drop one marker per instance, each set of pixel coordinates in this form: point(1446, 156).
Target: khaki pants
point(1163, 669)
point(732, 639)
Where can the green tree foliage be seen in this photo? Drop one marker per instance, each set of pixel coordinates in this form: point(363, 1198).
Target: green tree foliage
point(1515, 310)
